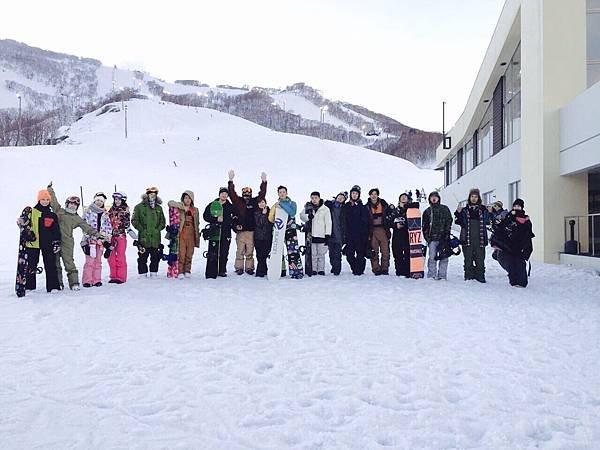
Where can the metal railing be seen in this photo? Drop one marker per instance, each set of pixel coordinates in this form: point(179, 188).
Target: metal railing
point(582, 234)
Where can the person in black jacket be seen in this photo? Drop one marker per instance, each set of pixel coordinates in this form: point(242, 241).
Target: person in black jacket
point(44, 224)
point(218, 267)
point(512, 239)
point(357, 231)
point(396, 219)
point(338, 231)
point(263, 236)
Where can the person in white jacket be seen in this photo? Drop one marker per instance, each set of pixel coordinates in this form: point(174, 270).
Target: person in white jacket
point(320, 223)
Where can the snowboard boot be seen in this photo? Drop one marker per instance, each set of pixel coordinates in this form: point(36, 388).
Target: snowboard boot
point(321, 272)
point(98, 284)
point(87, 285)
point(239, 272)
point(250, 271)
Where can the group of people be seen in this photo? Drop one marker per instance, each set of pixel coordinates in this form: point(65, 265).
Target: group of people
point(340, 226)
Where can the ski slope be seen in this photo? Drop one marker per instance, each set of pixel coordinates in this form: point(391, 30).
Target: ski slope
point(328, 362)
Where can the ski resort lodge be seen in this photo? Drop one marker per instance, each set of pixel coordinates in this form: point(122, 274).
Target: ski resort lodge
point(531, 126)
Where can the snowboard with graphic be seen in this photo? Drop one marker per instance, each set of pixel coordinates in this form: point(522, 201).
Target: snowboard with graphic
point(415, 233)
point(173, 236)
point(25, 235)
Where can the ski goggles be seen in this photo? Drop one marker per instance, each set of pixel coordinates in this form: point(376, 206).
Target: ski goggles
point(120, 195)
point(152, 190)
point(100, 196)
point(246, 191)
point(74, 200)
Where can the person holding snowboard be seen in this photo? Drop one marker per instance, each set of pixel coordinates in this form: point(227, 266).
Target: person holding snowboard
point(437, 223)
point(97, 217)
point(68, 220)
point(320, 218)
point(149, 219)
point(379, 233)
point(513, 239)
point(189, 232)
point(396, 220)
point(473, 220)
point(245, 224)
point(291, 238)
point(338, 228)
point(216, 265)
point(263, 236)
point(46, 233)
point(120, 221)
point(357, 232)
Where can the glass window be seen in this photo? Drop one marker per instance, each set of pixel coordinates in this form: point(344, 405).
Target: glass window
point(468, 159)
point(489, 197)
point(593, 4)
point(512, 99)
point(593, 36)
point(514, 192)
point(484, 147)
point(453, 169)
point(593, 73)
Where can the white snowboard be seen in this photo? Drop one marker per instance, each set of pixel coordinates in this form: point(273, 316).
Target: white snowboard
point(278, 245)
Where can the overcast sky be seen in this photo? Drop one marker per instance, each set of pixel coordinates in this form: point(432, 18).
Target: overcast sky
point(397, 57)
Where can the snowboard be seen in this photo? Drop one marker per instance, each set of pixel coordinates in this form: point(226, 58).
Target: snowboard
point(214, 242)
point(417, 260)
point(172, 257)
point(277, 245)
point(293, 250)
point(25, 235)
point(308, 243)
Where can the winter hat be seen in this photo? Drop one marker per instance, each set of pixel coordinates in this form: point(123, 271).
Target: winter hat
point(355, 188)
point(246, 191)
point(374, 190)
point(519, 202)
point(498, 204)
point(345, 194)
point(476, 192)
point(434, 194)
point(151, 190)
point(223, 189)
point(43, 195)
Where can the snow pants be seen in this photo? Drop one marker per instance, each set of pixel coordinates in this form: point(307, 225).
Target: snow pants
point(436, 269)
point(244, 259)
point(117, 260)
point(335, 257)
point(33, 256)
point(263, 248)
point(187, 240)
point(515, 266)
point(66, 254)
point(355, 255)
point(380, 242)
point(92, 269)
point(318, 252)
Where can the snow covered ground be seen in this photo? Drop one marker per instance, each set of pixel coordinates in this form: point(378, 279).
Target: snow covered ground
point(329, 362)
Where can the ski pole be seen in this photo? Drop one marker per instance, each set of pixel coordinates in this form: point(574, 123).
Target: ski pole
point(81, 191)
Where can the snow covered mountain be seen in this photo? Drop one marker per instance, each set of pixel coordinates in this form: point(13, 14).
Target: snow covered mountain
point(70, 85)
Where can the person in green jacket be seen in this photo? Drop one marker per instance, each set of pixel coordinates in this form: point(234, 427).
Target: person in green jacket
point(437, 223)
point(68, 220)
point(149, 220)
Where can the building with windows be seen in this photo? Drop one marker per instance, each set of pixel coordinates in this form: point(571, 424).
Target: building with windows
point(531, 125)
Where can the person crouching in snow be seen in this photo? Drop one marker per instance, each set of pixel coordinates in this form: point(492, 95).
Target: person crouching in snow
point(44, 225)
point(263, 236)
point(68, 220)
point(120, 220)
point(97, 217)
point(189, 232)
point(512, 239)
point(320, 218)
point(149, 220)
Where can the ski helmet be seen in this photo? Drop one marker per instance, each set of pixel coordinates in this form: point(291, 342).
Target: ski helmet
point(120, 195)
point(73, 199)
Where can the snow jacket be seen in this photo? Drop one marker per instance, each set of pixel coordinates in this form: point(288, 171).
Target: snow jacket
point(470, 217)
point(357, 222)
point(149, 222)
point(320, 218)
point(338, 221)
point(44, 224)
point(395, 218)
point(98, 219)
point(229, 218)
point(437, 222)
point(514, 235)
point(182, 213)
point(377, 213)
point(289, 207)
point(263, 230)
point(67, 222)
point(244, 208)
point(120, 219)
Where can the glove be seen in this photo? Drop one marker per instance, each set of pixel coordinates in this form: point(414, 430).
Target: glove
point(86, 249)
point(327, 237)
point(56, 247)
point(140, 247)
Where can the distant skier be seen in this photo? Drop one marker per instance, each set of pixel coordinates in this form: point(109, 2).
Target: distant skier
point(263, 236)
point(396, 219)
point(97, 217)
point(218, 266)
point(513, 238)
point(149, 219)
point(120, 219)
point(68, 220)
point(320, 217)
point(188, 234)
point(437, 224)
point(379, 233)
point(357, 231)
point(473, 220)
point(338, 231)
point(418, 194)
point(245, 224)
point(46, 233)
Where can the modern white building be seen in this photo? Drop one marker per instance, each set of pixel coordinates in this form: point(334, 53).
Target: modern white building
point(531, 125)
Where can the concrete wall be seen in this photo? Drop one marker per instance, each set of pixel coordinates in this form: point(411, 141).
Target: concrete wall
point(580, 133)
point(553, 50)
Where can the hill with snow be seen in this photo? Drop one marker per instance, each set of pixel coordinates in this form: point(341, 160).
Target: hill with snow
point(69, 86)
